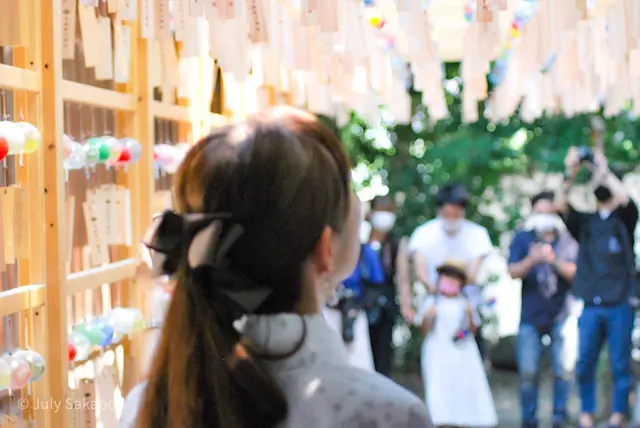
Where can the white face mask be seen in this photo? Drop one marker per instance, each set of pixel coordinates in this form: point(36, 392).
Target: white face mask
point(383, 220)
point(451, 227)
point(544, 223)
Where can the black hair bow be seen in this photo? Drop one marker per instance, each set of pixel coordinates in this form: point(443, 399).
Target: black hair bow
point(197, 239)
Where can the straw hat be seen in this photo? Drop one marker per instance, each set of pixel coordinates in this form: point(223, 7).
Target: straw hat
point(454, 267)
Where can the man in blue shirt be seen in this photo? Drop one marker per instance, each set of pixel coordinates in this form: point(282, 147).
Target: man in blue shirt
point(544, 257)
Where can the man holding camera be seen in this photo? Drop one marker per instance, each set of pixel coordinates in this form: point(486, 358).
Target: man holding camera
point(544, 257)
point(604, 280)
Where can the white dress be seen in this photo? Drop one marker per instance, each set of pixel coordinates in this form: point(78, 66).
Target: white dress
point(360, 354)
point(323, 390)
point(456, 387)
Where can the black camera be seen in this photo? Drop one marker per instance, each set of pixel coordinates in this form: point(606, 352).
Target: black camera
point(585, 154)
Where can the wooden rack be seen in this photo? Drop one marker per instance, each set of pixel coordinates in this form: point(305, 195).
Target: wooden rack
point(44, 293)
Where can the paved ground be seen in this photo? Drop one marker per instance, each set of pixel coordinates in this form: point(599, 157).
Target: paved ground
point(504, 385)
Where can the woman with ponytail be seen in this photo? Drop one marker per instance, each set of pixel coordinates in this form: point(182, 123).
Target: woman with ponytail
point(265, 225)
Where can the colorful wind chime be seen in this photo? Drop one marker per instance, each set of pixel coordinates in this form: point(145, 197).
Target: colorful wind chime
point(20, 368)
point(92, 149)
point(16, 138)
point(524, 13)
point(101, 332)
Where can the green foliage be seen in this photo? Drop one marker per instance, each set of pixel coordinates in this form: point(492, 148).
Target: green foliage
point(423, 157)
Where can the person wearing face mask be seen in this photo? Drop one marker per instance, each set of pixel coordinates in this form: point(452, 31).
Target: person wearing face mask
point(544, 257)
point(456, 388)
point(382, 297)
point(604, 281)
point(450, 235)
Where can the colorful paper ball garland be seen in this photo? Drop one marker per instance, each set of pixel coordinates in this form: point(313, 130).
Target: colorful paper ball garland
point(20, 368)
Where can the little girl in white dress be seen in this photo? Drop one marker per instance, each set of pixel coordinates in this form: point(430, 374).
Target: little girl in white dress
point(456, 388)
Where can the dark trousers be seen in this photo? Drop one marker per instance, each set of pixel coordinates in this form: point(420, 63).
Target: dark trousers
point(596, 325)
point(530, 349)
point(381, 336)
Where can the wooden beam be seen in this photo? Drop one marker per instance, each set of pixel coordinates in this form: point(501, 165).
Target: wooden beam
point(19, 79)
point(49, 16)
point(171, 112)
point(21, 299)
point(90, 279)
point(97, 97)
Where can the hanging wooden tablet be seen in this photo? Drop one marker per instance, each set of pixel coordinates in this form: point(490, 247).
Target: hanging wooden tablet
point(106, 394)
point(95, 234)
point(90, 35)
point(196, 8)
point(104, 67)
point(7, 202)
point(632, 12)
point(147, 19)
point(257, 21)
point(180, 19)
point(162, 20)
point(69, 16)
point(581, 7)
point(123, 197)
point(88, 390)
point(328, 15)
point(634, 63)
point(128, 10)
point(309, 12)
point(21, 223)
point(484, 12)
point(230, 7)
point(122, 53)
point(73, 407)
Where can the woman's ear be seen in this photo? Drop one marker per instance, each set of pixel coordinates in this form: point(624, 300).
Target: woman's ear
point(323, 253)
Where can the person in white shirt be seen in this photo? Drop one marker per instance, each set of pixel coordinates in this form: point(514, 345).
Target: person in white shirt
point(449, 236)
point(266, 226)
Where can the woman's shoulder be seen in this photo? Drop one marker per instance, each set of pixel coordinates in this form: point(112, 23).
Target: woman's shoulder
point(348, 395)
point(132, 404)
point(357, 398)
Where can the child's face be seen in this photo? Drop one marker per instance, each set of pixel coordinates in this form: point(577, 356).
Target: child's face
point(449, 285)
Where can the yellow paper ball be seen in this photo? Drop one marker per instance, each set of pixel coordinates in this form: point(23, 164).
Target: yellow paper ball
point(33, 138)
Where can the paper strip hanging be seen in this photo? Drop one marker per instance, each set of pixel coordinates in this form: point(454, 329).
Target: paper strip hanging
point(69, 17)
point(128, 10)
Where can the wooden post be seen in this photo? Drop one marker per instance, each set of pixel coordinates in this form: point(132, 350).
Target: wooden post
point(142, 174)
point(49, 15)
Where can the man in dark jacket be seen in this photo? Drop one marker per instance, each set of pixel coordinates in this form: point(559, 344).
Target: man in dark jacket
point(604, 280)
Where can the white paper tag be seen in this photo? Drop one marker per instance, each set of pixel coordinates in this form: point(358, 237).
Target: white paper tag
point(128, 10)
point(148, 19)
point(122, 54)
point(69, 18)
point(180, 19)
